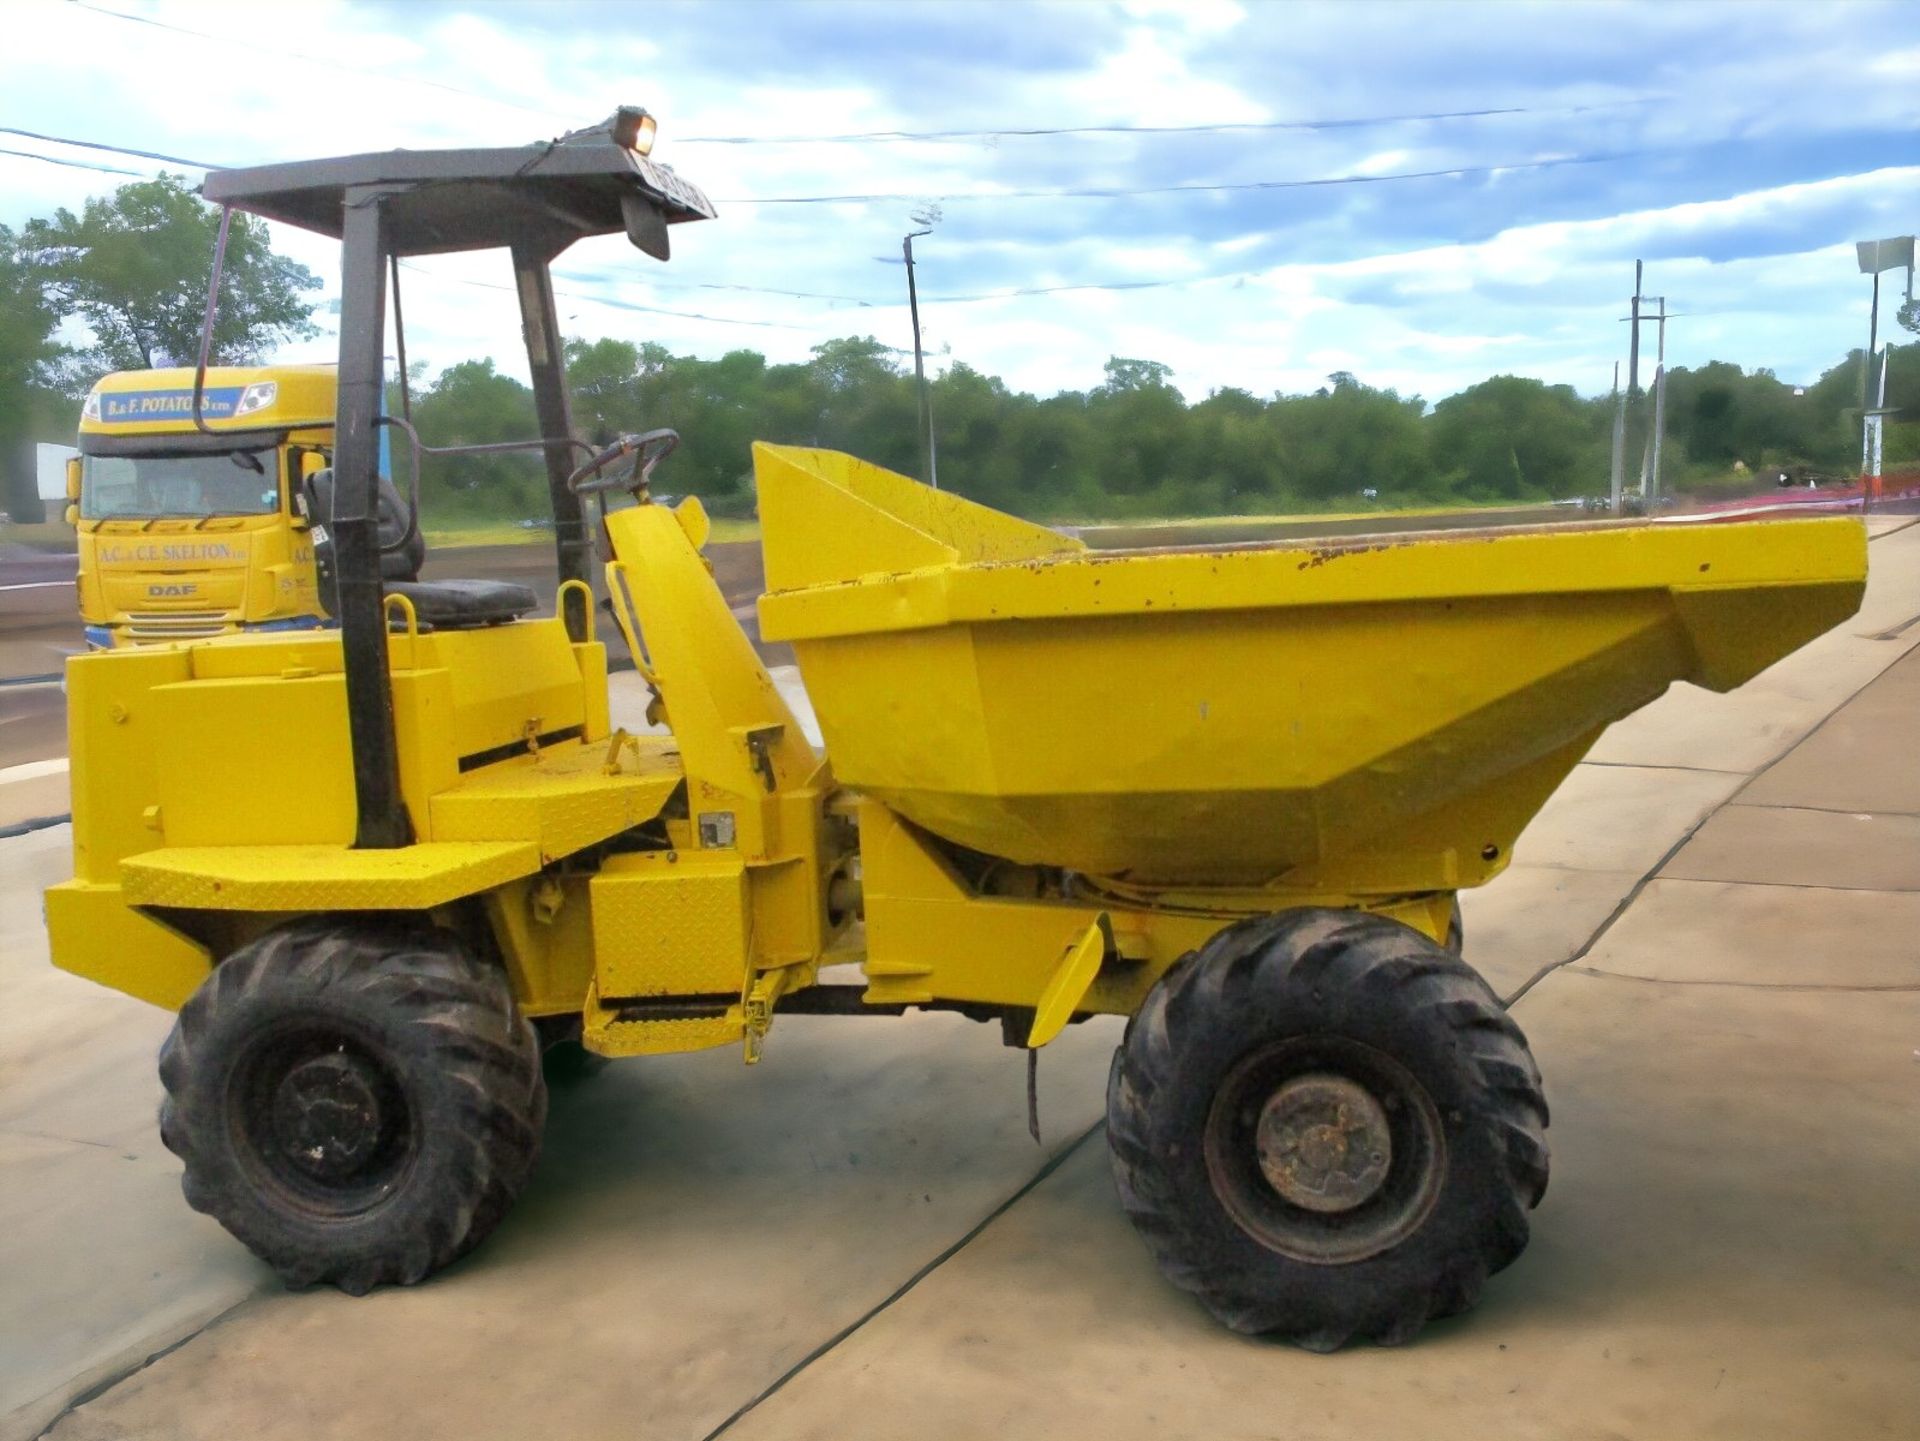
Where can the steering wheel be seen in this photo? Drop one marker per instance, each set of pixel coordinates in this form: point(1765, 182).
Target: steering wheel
point(648, 450)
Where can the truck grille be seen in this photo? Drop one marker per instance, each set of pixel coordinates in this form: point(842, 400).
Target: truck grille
point(152, 627)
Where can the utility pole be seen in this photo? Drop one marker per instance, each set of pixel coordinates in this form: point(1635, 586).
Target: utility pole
point(1656, 431)
point(1625, 403)
point(1633, 341)
point(1616, 476)
point(1651, 489)
point(919, 365)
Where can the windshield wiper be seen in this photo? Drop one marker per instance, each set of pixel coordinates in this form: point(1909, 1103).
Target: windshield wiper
point(248, 459)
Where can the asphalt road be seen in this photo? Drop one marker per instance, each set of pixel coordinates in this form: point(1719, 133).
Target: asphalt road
point(39, 629)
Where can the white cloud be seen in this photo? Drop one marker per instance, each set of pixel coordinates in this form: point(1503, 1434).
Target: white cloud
point(1427, 289)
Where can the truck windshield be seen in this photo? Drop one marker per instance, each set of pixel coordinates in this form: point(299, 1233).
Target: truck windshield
point(235, 482)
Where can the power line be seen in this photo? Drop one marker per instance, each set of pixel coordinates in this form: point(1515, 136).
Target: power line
point(1201, 187)
point(1086, 193)
point(115, 149)
point(1222, 127)
point(612, 302)
point(985, 295)
point(74, 164)
point(207, 165)
point(764, 290)
point(712, 285)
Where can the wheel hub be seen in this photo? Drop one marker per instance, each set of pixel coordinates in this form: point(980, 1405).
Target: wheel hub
point(327, 1115)
point(1324, 1143)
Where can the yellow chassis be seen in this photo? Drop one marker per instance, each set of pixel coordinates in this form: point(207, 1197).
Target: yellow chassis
point(212, 801)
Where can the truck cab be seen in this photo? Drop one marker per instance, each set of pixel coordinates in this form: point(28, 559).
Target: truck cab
point(186, 532)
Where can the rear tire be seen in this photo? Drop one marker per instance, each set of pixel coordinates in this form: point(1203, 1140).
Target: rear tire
point(1326, 1128)
point(358, 1102)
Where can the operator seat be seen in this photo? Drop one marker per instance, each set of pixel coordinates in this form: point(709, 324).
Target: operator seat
point(438, 604)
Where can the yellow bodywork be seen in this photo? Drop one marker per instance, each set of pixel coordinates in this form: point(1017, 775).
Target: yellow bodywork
point(1372, 717)
point(144, 580)
point(1054, 772)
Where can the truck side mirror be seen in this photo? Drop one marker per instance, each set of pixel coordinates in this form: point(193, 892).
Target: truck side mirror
point(73, 480)
point(73, 515)
point(312, 462)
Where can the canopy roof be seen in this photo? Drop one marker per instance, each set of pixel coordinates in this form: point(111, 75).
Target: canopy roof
point(447, 200)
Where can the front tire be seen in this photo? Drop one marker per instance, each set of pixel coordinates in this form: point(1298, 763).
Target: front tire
point(1326, 1128)
point(358, 1102)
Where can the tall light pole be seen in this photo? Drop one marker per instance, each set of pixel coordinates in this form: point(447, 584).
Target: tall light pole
point(924, 218)
point(1650, 485)
point(1875, 256)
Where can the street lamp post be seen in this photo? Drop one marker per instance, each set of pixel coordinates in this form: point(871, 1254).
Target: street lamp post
point(926, 219)
point(1875, 256)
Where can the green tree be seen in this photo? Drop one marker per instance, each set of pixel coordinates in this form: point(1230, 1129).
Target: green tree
point(1513, 438)
point(1139, 424)
point(473, 404)
point(135, 267)
point(29, 353)
point(1349, 437)
point(611, 381)
point(32, 371)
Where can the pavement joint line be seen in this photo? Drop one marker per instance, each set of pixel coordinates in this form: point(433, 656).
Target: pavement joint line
point(1644, 766)
point(1791, 885)
point(1633, 892)
point(127, 1373)
point(60, 1140)
point(1821, 810)
point(1894, 987)
point(1058, 1159)
point(1619, 910)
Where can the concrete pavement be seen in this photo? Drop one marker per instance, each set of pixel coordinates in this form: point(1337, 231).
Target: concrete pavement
point(1711, 935)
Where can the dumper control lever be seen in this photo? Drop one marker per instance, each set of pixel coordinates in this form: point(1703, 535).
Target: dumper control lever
point(649, 448)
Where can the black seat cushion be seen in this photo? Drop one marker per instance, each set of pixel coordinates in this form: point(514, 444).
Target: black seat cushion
point(437, 604)
point(462, 604)
point(397, 562)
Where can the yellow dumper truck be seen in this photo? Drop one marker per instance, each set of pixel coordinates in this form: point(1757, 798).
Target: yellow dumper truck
point(189, 530)
point(1228, 793)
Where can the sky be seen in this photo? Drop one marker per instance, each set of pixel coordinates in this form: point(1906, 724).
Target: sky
point(1739, 149)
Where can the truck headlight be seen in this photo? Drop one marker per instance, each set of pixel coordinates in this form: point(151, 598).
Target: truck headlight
point(258, 396)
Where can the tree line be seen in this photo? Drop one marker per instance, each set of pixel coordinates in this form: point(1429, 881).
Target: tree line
point(1134, 446)
point(129, 273)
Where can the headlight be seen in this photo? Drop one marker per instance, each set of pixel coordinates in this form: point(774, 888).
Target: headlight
point(90, 407)
point(258, 396)
point(635, 129)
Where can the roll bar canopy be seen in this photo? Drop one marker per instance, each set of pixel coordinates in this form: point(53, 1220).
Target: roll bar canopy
point(533, 200)
point(436, 201)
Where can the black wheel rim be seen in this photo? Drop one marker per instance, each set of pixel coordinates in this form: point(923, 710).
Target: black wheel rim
point(320, 1120)
point(1324, 1149)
